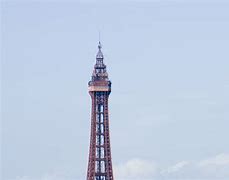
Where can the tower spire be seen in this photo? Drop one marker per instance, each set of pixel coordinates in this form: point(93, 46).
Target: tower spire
point(100, 45)
point(99, 54)
point(99, 71)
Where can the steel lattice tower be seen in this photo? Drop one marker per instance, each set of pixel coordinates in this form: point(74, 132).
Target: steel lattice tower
point(99, 163)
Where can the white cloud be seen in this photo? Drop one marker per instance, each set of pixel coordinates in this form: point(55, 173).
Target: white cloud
point(135, 169)
point(219, 160)
point(175, 168)
point(216, 167)
point(212, 168)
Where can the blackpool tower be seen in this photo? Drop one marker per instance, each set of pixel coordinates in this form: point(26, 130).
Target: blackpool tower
point(99, 163)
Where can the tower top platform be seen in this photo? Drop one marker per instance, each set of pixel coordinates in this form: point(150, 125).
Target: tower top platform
point(99, 79)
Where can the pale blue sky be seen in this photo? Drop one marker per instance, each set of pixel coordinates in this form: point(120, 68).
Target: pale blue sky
point(169, 66)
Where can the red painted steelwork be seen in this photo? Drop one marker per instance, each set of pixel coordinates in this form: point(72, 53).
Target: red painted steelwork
point(99, 163)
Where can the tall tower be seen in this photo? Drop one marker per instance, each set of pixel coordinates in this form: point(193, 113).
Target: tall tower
point(99, 163)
